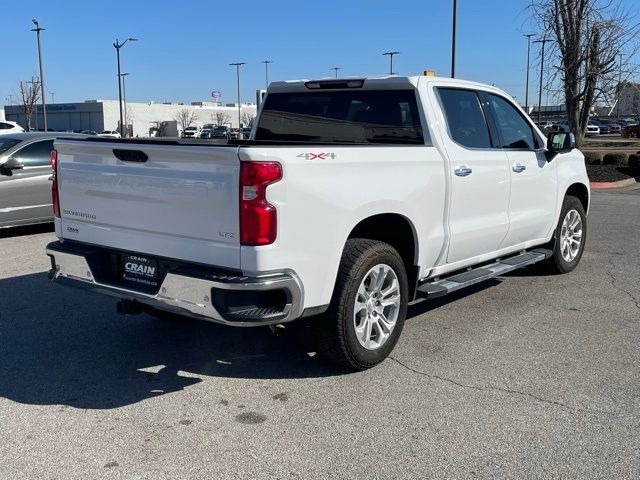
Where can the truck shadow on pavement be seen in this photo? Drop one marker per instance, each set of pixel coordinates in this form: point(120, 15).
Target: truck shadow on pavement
point(64, 346)
point(61, 346)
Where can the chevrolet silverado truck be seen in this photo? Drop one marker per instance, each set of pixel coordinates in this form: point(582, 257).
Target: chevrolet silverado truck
point(351, 198)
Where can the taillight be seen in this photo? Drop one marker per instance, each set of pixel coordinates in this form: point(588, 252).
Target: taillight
point(258, 218)
point(54, 183)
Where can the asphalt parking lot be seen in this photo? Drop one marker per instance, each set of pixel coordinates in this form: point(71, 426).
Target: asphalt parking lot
point(529, 376)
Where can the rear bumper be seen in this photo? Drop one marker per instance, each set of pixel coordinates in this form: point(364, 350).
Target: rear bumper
point(272, 298)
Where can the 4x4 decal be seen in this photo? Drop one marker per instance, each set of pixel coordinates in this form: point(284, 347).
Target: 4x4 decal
point(317, 156)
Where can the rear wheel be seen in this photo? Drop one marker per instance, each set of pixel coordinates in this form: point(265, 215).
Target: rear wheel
point(570, 236)
point(368, 308)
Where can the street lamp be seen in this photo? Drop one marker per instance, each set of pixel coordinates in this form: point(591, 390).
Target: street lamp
point(391, 54)
point(335, 69)
point(124, 99)
point(237, 65)
point(266, 71)
point(117, 45)
point(52, 100)
point(526, 94)
point(38, 29)
point(543, 42)
point(453, 38)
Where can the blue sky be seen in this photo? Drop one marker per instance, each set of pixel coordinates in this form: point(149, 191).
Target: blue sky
point(184, 48)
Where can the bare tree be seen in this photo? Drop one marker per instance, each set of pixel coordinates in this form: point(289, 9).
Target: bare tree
point(588, 36)
point(185, 118)
point(29, 97)
point(221, 118)
point(247, 118)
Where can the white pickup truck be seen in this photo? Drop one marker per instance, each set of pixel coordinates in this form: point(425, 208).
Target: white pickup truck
point(351, 198)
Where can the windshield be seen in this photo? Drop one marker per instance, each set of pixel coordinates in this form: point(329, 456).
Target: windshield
point(7, 143)
point(354, 116)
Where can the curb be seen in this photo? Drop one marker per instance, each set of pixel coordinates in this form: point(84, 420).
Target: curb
point(609, 185)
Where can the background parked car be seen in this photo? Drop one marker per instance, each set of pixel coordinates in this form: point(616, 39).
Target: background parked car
point(592, 128)
point(629, 131)
point(25, 189)
point(220, 131)
point(205, 133)
point(191, 132)
point(547, 124)
point(233, 134)
point(9, 127)
point(604, 128)
point(614, 127)
point(109, 134)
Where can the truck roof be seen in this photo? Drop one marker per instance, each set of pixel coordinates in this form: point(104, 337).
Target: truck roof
point(384, 81)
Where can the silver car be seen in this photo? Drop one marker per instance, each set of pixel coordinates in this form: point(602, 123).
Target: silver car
point(25, 189)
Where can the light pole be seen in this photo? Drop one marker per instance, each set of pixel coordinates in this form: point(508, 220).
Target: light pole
point(619, 87)
point(526, 94)
point(124, 100)
point(453, 38)
point(117, 45)
point(543, 42)
point(52, 100)
point(335, 69)
point(266, 72)
point(38, 29)
point(237, 65)
point(391, 54)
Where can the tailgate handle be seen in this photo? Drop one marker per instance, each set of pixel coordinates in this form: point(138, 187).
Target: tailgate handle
point(130, 155)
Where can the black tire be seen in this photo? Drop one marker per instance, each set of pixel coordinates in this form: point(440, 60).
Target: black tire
point(335, 329)
point(557, 263)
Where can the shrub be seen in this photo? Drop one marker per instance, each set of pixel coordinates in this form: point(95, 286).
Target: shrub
point(634, 160)
point(615, 159)
point(593, 158)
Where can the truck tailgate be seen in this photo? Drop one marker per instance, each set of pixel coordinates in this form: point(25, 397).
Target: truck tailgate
point(181, 202)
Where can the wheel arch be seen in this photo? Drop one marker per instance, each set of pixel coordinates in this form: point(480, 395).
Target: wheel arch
point(581, 192)
point(399, 232)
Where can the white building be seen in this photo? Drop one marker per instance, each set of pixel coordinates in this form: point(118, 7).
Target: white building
point(629, 99)
point(142, 118)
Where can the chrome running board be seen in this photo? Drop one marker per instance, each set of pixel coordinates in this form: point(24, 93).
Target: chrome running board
point(440, 286)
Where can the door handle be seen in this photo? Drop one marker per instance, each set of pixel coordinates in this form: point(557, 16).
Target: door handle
point(518, 167)
point(463, 171)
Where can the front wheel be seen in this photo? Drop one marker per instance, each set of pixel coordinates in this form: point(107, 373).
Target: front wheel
point(368, 308)
point(570, 237)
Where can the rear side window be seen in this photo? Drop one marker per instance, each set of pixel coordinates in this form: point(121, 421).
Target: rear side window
point(465, 118)
point(515, 130)
point(352, 116)
point(35, 154)
point(7, 143)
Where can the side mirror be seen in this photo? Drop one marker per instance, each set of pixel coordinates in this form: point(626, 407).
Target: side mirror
point(559, 142)
point(11, 164)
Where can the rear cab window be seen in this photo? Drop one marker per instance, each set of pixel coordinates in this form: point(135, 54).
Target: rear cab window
point(7, 143)
point(343, 116)
point(465, 118)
